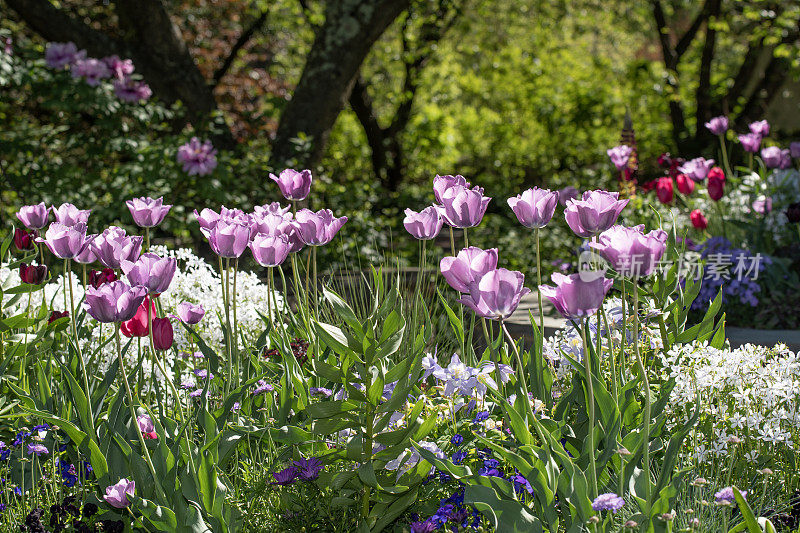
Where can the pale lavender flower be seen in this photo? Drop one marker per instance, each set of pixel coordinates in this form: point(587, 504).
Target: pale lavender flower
point(132, 91)
point(60, 55)
point(718, 125)
point(608, 502)
point(91, 70)
point(619, 155)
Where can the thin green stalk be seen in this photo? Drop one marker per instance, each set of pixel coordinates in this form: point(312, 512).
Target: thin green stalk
point(146, 452)
point(495, 357)
point(466, 239)
point(540, 388)
point(725, 156)
point(234, 331)
point(624, 330)
point(587, 364)
point(520, 370)
point(68, 273)
point(646, 385)
point(269, 297)
point(228, 339)
point(146, 239)
point(452, 242)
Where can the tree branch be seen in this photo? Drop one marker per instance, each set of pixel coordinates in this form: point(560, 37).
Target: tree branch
point(670, 59)
point(703, 93)
point(686, 40)
point(240, 43)
point(54, 24)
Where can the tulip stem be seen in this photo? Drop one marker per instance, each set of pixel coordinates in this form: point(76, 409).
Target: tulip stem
point(646, 385)
point(725, 155)
point(229, 341)
point(269, 296)
point(537, 357)
point(146, 452)
point(452, 242)
point(521, 372)
point(236, 324)
point(587, 366)
point(466, 239)
point(68, 273)
point(147, 239)
point(160, 365)
point(495, 358)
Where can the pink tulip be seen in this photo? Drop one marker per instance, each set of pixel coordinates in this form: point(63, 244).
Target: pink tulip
point(496, 294)
point(464, 208)
point(146, 212)
point(534, 207)
point(424, 225)
point(630, 251)
point(318, 228)
point(594, 213)
point(270, 250)
point(574, 296)
point(294, 185)
point(466, 268)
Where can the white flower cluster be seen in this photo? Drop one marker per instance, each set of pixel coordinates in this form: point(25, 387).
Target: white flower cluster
point(749, 393)
point(195, 281)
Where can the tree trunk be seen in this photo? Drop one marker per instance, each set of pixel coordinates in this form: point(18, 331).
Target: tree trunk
point(350, 29)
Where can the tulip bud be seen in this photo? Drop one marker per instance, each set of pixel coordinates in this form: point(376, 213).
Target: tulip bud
point(162, 333)
point(664, 190)
point(32, 274)
point(23, 239)
point(699, 220)
point(685, 184)
point(55, 315)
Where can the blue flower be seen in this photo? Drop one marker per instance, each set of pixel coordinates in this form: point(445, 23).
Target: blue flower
point(480, 417)
point(457, 439)
point(520, 483)
point(458, 457)
point(490, 468)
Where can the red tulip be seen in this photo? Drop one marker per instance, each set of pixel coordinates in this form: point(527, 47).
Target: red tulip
point(698, 219)
point(23, 239)
point(716, 185)
point(55, 315)
point(162, 333)
point(685, 184)
point(98, 277)
point(32, 274)
point(664, 190)
point(137, 326)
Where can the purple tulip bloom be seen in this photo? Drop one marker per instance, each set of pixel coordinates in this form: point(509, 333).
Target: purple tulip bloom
point(117, 495)
point(294, 185)
point(464, 208)
point(760, 128)
point(120, 68)
point(631, 252)
point(750, 142)
point(150, 271)
point(147, 212)
point(114, 246)
point(308, 469)
point(594, 213)
point(496, 294)
point(575, 297)
point(771, 155)
point(228, 237)
point(65, 242)
point(786, 159)
point(33, 216)
point(697, 168)
point(91, 70)
point(566, 194)
point(442, 183)
point(608, 502)
point(285, 476)
point(718, 125)
point(466, 268)
point(190, 313)
point(197, 158)
point(619, 155)
point(270, 250)
point(794, 149)
point(534, 207)
point(424, 225)
point(273, 208)
point(317, 229)
point(269, 223)
point(87, 256)
point(60, 55)
point(115, 301)
point(69, 215)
